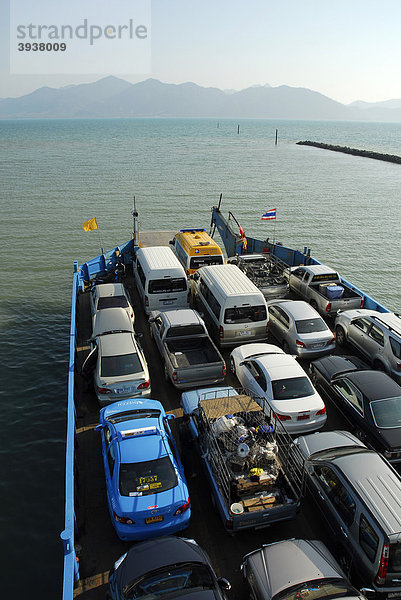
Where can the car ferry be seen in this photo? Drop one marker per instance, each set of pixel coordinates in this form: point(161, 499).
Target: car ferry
point(91, 545)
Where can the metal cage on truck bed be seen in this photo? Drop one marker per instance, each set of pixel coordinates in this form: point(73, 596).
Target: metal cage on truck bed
point(239, 435)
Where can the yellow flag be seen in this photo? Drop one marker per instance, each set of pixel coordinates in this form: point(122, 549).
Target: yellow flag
point(90, 225)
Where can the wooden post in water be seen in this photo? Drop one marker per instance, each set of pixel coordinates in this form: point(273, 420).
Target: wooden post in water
point(238, 130)
point(276, 137)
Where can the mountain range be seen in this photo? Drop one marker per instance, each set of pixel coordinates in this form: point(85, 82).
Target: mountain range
point(112, 97)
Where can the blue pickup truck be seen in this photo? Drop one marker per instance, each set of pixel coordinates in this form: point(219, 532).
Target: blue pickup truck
point(255, 476)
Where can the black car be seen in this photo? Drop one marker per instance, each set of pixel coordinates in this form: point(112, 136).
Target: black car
point(370, 400)
point(165, 568)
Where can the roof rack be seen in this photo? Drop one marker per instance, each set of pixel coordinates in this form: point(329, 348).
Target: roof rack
point(389, 327)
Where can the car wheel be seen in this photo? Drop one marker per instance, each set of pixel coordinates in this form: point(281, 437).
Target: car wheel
point(313, 304)
point(345, 564)
point(340, 336)
point(313, 376)
point(286, 348)
point(232, 365)
point(378, 365)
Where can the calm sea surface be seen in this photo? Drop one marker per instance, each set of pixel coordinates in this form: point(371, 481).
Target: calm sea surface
point(57, 174)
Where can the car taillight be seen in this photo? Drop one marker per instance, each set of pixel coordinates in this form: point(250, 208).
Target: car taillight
point(146, 301)
point(300, 344)
point(224, 370)
point(322, 411)
point(101, 390)
point(183, 508)
point(229, 524)
point(174, 376)
point(144, 385)
point(328, 307)
point(221, 332)
point(281, 417)
point(123, 520)
point(362, 302)
point(267, 327)
point(382, 572)
point(132, 315)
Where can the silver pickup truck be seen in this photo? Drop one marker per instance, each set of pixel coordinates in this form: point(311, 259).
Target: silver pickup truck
point(190, 357)
point(323, 288)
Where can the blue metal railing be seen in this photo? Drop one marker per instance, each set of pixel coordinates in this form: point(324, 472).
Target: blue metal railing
point(71, 571)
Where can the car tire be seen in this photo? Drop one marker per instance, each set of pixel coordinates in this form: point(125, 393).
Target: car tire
point(313, 304)
point(378, 365)
point(232, 365)
point(340, 336)
point(286, 348)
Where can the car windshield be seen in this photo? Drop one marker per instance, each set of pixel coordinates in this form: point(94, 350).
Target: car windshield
point(310, 325)
point(294, 387)
point(151, 413)
point(201, 261)
point(245, 314)
point(387, 413)
point(164, 286)
point(318, 588)
point(123, 364)
point(148, 477)
point(171, 582)
point(112, 302)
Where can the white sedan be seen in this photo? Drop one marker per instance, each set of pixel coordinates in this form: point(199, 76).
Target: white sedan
point(268, 372)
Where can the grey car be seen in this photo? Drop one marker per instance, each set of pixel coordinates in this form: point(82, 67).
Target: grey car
point(299, 328)
point(359, 494)
point(310, 572)
point(376, 335)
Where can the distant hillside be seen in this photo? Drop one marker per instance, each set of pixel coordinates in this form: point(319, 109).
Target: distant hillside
point(114, 97)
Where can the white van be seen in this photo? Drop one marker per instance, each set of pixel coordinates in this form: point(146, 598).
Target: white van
point(160, 279)
point(234, 308)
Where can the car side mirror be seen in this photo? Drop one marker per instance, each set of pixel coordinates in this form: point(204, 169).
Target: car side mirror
point(138, 335)
point(170, 417)
point(151, 320)
point(171, 242)
point(224, 584)
point(98, 427)
point(368, 592)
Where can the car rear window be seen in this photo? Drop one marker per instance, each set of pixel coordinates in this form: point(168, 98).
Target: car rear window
point(123, 364)
point(387, 413)
point(148, 477)
point(165, 286)
point(245, 314)
point(172, 581)
point(394, 562)
point(112, 302)
point(310, 325)
point(185, 330)
point(318, 588)
point(294, 387)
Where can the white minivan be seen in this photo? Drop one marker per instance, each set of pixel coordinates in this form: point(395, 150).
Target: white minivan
point(234, 308)
point(160, 279)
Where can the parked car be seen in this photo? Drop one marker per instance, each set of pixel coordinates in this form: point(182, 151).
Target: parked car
point(359, 494)
point(117, 360)
point(371, 400)
point(310, 572)
point(268, 372)
point(110, 295)
point(300, 329)
point(166, 567)
point(376, 335)
point(147, 493)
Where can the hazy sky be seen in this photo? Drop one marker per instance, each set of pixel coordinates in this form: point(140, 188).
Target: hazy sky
point(346, 49)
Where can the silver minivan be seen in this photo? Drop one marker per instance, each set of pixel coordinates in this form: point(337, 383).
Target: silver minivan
point(359, 494)
point(234, 309)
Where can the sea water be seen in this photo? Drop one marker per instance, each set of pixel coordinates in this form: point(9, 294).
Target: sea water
point(56, 174)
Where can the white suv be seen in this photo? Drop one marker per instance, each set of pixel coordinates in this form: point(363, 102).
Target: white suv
point(376, 335)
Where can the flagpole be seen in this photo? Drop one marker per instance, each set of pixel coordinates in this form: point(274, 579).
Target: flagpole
point(100, 240)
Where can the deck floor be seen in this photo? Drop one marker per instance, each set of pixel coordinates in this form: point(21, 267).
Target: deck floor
point(97, 543)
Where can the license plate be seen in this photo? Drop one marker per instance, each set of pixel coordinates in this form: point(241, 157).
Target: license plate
point(317, 345)
point(245, 333)
point(154, 519)
point(303, 417)
point(394, 595)
point(125, 390)
point(167, 302)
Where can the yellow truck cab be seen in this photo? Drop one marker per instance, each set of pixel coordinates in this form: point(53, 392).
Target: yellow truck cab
point(195, 248)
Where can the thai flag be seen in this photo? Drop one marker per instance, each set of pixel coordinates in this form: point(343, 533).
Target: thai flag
point(269, 215)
